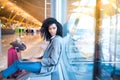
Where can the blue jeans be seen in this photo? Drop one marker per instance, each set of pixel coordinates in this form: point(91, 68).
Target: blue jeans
point(34, 67)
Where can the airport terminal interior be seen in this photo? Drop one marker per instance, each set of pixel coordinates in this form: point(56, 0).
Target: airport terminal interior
point(90, 32)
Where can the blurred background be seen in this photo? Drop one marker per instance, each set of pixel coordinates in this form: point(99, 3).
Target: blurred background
point(90, 29)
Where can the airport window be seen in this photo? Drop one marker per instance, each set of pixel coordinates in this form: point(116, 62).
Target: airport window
point(80, 37)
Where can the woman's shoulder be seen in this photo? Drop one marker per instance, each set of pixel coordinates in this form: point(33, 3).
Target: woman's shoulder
point(57, 38)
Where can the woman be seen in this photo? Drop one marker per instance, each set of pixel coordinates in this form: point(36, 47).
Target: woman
point(51, 30)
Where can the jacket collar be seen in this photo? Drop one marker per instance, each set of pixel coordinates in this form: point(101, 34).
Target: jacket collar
point(52, 37)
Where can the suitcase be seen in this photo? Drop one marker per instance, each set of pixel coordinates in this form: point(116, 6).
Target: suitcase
point(12, 56)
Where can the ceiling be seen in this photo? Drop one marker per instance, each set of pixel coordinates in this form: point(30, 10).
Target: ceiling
point(33, 11)
point(27, 11)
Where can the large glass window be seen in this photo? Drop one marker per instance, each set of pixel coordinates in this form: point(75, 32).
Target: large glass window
point(80, 39)
point(110, 19)
point(84, 17)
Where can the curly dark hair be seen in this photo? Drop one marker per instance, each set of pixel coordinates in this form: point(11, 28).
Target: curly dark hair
point(44, 28)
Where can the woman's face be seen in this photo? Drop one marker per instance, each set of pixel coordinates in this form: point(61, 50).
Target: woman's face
point(52, 29)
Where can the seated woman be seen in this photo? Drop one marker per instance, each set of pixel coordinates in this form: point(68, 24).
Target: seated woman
point(51, 30)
